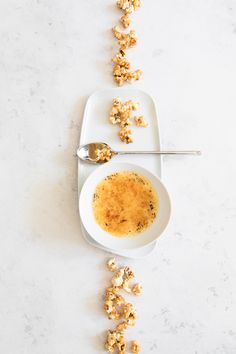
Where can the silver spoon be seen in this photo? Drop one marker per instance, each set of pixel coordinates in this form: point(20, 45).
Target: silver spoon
point(90, 152)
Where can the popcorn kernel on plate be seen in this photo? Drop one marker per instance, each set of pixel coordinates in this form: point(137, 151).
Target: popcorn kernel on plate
point(135, 347)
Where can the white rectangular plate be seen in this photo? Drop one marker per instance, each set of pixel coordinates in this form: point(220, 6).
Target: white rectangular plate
point(96, 127)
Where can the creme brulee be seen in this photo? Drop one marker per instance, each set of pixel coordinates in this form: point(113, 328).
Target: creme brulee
point(125, 203)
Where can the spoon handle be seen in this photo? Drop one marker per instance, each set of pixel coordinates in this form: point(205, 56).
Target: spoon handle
point(170, 152)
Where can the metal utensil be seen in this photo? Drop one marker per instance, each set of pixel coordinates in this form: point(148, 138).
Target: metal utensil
point(90, 152)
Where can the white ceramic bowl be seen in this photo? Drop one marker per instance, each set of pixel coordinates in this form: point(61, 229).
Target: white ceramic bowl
point(129, 242)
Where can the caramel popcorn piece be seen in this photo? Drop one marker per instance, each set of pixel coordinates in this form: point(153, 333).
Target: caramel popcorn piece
point(126, 6)
point(130, 314)
point(115, 339)
point(119, 300)
point(125, 122)
point(136, 4)
point(114, 315)
point(137, 289)
point(125, 20)
point(126, 286)
point(133, 75)
point(120, 113)
point(111, 293)
point(129, 6)
point(103, 154)
point(125, 135)
point(140, 121)
point(121, 60)
point(122, 326)
point(126, 40)
point(111, 265)
point(117, 279)
point(108, 306)
point(135, 347)
point(128, 273)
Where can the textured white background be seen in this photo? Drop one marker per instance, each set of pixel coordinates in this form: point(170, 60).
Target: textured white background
point(53, 54)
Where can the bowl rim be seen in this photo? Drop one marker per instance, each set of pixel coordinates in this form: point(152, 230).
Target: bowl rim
point(128, 242)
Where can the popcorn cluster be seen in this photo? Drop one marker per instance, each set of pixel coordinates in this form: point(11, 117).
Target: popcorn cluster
point(117, 308)
point(122, 67)
point(104, 154)
point(121, 70)
point(121, 113)
point(128, 7)
point(125, 40)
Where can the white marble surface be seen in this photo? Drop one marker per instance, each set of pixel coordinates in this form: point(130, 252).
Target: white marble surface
point(53, 54)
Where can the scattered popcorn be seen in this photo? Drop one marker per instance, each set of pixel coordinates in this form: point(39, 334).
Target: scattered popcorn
point(140, 121)
point(135, 347)
point(126, 40)
point(121, 60)
point(111, 265)
point(115, 305)
point(134, 75)
point(125, 135)
point(125, 20)
point(129, 6)
point(121, 113)
point(121, 70)
point(137, 289)
point(115, 339)
point(126, 5)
